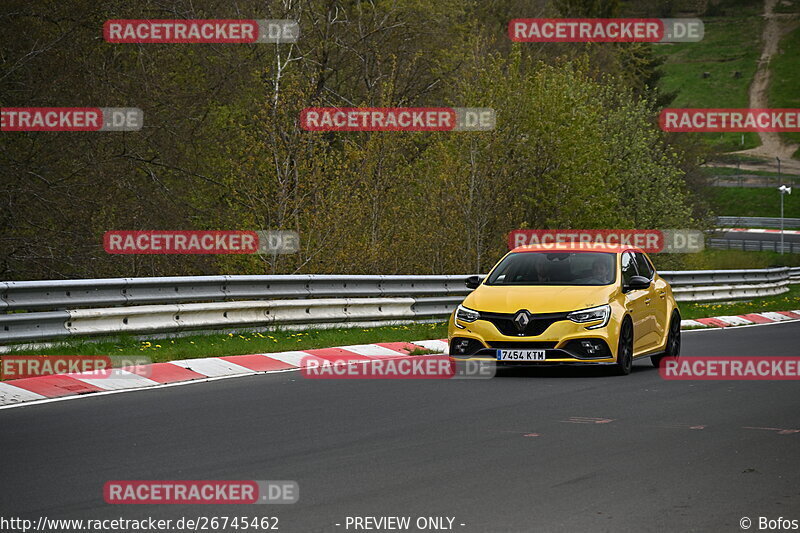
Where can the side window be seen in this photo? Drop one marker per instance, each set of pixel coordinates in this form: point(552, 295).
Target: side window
point(652, 268)
point(643, 266)
point(628, 267)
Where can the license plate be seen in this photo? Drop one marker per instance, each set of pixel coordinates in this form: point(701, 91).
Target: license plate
point(520, 355)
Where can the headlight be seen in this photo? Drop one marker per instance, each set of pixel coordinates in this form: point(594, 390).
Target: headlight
point(593, 314)
point(465, 314)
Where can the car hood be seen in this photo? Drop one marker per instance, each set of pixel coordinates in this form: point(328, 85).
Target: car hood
point(538, 299)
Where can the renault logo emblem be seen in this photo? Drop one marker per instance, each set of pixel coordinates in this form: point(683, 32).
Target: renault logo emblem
point(522, 319)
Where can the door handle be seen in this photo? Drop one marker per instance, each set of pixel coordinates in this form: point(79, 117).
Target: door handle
point(647, 301)
point(662, 294)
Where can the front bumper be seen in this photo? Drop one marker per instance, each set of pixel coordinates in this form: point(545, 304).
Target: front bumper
point(553, 357)
point(562, 342)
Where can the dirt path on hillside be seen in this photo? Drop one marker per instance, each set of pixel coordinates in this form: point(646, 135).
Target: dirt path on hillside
point(777, 25)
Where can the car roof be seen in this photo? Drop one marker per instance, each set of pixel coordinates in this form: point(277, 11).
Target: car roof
point(577, 247)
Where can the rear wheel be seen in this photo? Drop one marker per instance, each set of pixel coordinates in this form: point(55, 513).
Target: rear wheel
point(624, 350)
point(673, 347)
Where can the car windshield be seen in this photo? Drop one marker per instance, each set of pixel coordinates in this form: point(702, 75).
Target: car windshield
point(555, 268)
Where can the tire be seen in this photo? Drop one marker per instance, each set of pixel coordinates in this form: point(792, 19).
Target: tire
point(624, 350)
point(673, 347)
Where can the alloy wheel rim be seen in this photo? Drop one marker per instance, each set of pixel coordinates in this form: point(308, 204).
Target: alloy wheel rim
point(626, 347)
point(674, 337)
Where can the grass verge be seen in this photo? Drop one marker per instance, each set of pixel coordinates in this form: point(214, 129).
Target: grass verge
point(704, 74)
point(785, 78)
point(787, 301)
point(754, 202)
point(195, 346)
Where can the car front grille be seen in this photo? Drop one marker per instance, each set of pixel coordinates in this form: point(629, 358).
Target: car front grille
point(504, 322)
point(522, 345)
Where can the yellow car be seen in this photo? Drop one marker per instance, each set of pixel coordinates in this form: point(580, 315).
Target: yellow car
point(568, 304)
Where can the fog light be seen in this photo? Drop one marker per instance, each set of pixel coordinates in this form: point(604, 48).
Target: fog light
point(589, 347)
point(462, 345)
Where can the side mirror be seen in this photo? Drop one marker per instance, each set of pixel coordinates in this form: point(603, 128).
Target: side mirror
point(472, 282)
point(636, 283)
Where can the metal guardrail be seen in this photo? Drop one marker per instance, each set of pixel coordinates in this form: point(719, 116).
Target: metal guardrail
point(64, 308)
point(757, 222)
point(33, 326)
point(716, 293)
point(181, 317)
point(72, 294)
point(719, 285)
point(679, 278)
point(748, 245)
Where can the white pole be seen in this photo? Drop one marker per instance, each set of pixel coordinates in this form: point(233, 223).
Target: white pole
point(780, 189)
point(781, 222)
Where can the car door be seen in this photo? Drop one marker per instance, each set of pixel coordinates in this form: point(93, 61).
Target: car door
point(659, 305)
point(655, 305)
point(636, 304)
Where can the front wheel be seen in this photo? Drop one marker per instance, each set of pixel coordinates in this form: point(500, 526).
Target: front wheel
point(673, 347)
point(624, 350)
